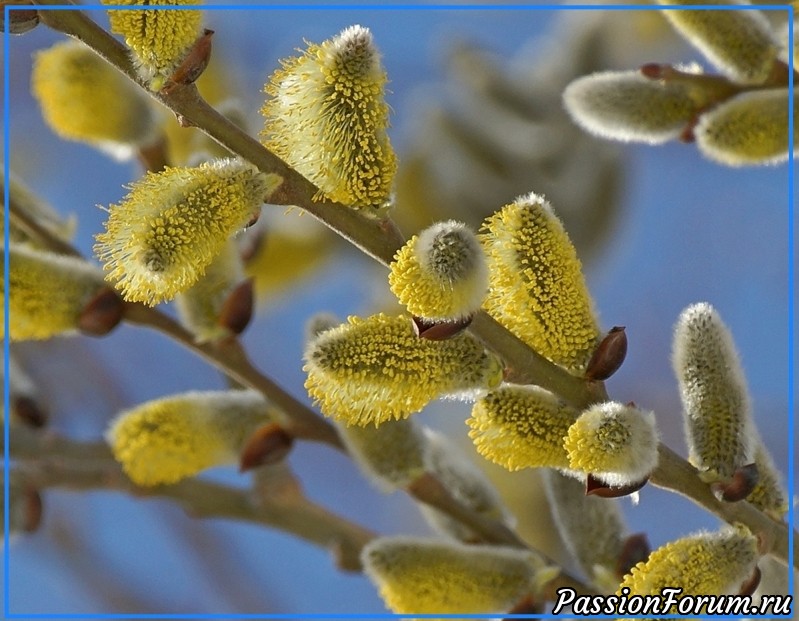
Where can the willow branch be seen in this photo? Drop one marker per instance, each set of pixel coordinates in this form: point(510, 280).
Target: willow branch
point(381, 240)
point(47, 460)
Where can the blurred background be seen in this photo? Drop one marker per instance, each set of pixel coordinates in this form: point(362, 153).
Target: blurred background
point(477, 121)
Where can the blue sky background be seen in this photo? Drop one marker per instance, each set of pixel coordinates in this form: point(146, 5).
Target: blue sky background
point(689, 231)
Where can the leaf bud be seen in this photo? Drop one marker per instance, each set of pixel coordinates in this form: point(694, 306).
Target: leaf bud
point(608, 356)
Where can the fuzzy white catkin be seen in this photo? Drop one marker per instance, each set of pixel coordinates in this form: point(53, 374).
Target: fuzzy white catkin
point(716, 406)
point(627, 106)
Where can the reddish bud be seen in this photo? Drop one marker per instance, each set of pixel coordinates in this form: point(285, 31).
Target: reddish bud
point(268, 444)
point(237, 308)
point(27, 411)
point(439, 331)
point(193, 64)
point(743, 481)
point(635, 549)
point(653, 71)
point(749, 586)
point(595, 487)
point(33, 511)
point(608, 356)
point(20, 21)
point(102, 313)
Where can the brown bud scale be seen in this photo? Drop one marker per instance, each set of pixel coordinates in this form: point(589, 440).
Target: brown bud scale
point(595, 487)
point(608, 356)
point(237, 308)
point(102, 313)
point(269, 444)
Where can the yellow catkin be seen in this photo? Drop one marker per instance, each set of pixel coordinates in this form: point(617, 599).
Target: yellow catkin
point(327, 118)
point(84, 98)
point(426, 576)
point(741, 43)
point(616, 443)
point(158, 38)
point(163, 235)
point(715, 399)
point(521, 427)
point(701, 564)
point(376, 369)
point(749, 129)
point(47, 292)
point(537, 289)
point(166, 440)
point(441, 274)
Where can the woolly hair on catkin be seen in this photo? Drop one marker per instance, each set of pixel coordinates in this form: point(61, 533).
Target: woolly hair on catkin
point(84, 98)
point(47, 292)
point(628, 106)
point(591, 528)
point(326, 117)
point(159, 39)
point(616, 443)
point(701, 564)
point(166, 440)
point(371, 370)
point(440, 274)
point(465, 482)
point(200, 306)
point(536, 285)
point(749, 129)
point(521, 427)
point(741, 43)
point(416, 575)
point(715, 399)
point(390, 454)
point(169, 228)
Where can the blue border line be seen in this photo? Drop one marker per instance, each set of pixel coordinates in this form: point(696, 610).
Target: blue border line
point(791, 309)
point(389, 7)
point(6, 402)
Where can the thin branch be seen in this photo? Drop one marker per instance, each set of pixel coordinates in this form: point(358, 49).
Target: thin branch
point(48, 460)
